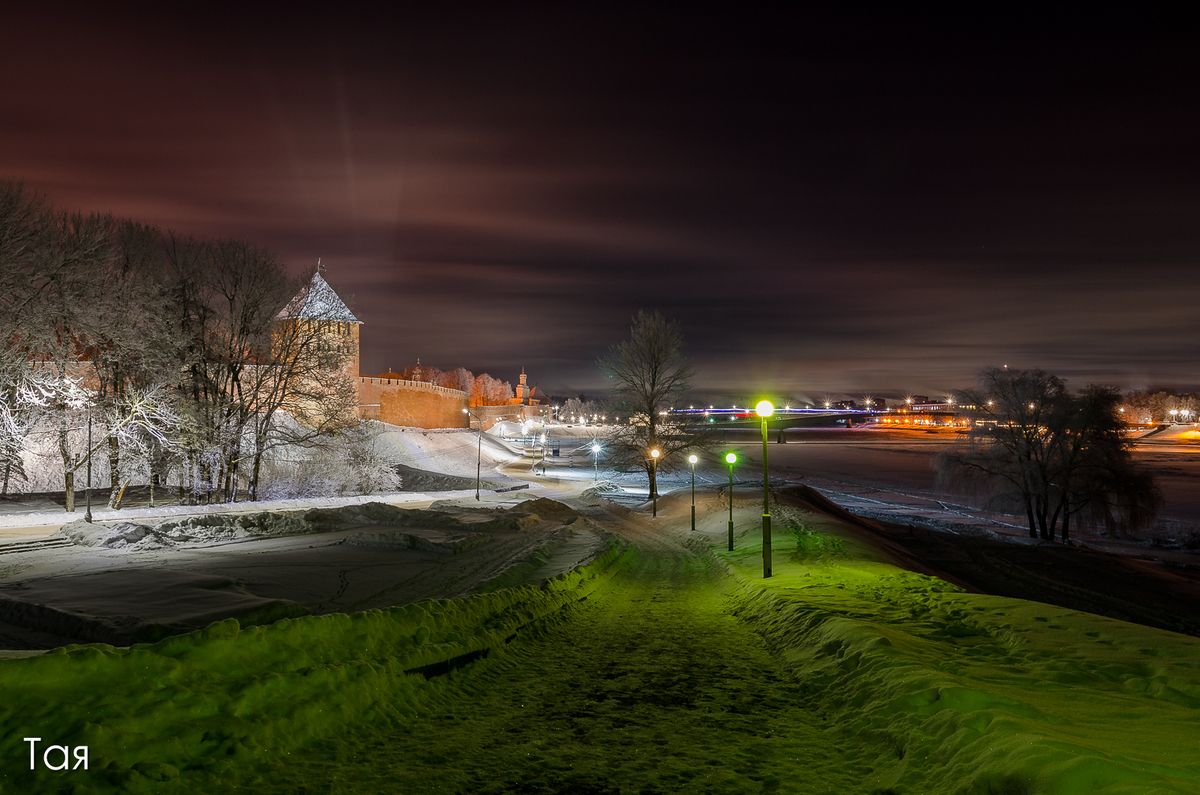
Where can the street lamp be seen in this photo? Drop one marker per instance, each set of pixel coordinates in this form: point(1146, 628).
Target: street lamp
point(654, 454)
point(87, 516)
point(764, 410)
point(478, 448)
point(731, 459)
point(692, 459)
point(543, 453)
point(595, 462)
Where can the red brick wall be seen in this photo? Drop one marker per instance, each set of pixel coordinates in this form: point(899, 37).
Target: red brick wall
point(411, 404)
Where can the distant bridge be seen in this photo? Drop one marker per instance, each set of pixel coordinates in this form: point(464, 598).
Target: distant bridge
point(788, 417)
point(784, 417)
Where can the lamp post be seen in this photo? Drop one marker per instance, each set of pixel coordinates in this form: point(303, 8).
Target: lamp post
point(478, 448)
point(654, 454)
point(731, 459)
point(543, 453)
point(87, 515)
point(765, 409)
point(595, 462)
point(692, 459)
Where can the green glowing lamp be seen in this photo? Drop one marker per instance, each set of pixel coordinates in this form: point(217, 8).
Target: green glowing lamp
point(731, 458)
point(764, 408)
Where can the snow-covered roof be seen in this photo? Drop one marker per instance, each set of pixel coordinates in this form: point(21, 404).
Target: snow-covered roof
point(318, 301)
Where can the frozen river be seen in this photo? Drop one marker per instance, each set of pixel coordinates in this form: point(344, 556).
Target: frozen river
point(905, 461)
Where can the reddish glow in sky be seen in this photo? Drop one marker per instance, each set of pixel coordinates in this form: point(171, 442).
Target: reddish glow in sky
point(826, 204)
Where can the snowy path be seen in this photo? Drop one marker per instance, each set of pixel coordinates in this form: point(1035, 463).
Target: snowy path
point(655, 677)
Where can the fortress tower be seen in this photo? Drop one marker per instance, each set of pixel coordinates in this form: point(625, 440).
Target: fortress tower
point(522, 387)
point(319, 308)
point(317, 327)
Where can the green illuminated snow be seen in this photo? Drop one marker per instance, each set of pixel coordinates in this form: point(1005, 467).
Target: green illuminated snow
point(662, 667)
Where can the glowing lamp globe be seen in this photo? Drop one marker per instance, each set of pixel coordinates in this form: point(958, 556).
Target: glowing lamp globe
point(692, 460)
point(655, 453)
point(731, 458)
point(596, 448)
point(764, 408)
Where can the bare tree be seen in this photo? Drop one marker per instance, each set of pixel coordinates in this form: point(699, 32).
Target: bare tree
point(650, 373)
point(226, 296)
point(1054, 455)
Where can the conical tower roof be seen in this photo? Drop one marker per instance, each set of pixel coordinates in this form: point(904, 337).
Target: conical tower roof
point(318, 301)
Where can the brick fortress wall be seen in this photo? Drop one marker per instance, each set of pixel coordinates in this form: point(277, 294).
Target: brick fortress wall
point(416, 404)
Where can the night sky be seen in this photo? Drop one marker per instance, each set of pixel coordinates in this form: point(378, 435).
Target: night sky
point(871, 203)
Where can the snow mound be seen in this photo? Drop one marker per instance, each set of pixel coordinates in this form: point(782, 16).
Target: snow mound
point(601, 489)
point(377, 520)
point(545, 508)
point(211, 529)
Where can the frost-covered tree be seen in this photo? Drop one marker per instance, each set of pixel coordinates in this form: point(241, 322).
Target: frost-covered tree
point(135, 350)
point(490, 391)
point(61, 322)
point(579, 410)
point(459, 378)
point(169, 350)
point(24, 222)
point(1159, 406)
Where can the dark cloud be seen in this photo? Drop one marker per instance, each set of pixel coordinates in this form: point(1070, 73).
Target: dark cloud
point(827, 203)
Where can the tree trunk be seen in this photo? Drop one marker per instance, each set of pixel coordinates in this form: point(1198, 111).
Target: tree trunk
point(231, 490)
point(64, 449)
point(1029, 515)
point(114, 471)
point(205, 477)
point(255, 471)
point(120, 496)
point(7, 472)
point(1066, 524)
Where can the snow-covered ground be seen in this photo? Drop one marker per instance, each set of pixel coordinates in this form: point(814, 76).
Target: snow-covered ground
point(131, 581)
point(143, 571)
point(451, 453)
point(447, 451)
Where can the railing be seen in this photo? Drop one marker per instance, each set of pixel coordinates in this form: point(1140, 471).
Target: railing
point(425, 385)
